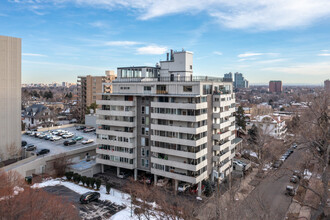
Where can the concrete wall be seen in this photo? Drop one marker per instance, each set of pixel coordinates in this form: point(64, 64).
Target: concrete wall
point(10, 97)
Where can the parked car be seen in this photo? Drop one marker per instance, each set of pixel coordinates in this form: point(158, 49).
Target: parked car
point(162, 182)
point(89, 197)
point(69, 142)
point(294, 145)
point(89, 129)
point(183, 187)
point(77, 138)
point(294, 179)
point(55, 138)
point(80, 128)
point(42, 135)
point(277, 163)
point(28, 133)
point(30, 147)
point(87, 141)
point(68, 135)
point(37, 134)
point(24, 143)
point(123, 175)
point(43, 151)
point(290, 190)
point(32, 133)
point(48, 137)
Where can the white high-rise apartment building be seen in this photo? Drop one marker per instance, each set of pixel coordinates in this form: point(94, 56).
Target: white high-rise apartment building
point(10, 97)
point(164, 121)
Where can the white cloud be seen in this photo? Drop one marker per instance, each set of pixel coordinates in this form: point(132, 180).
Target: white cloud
point(238, 14)
point(33, 55)
point(324, 54)
point(218, 53)
point(152, 49)
point(249, 54)
point(320, 68)
point(122, 43)
point(98, 24)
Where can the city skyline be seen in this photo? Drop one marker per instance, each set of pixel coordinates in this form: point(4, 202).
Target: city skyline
point(62, 39)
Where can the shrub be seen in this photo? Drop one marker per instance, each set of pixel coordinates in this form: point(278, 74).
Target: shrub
point(88, 182)
point(83, 180)
point(98, 183)
point(108, 187)
point(76, 178)
point(69, 175)
point(92, 182)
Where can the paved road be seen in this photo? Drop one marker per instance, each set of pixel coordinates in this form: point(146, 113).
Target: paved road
point(268, 197)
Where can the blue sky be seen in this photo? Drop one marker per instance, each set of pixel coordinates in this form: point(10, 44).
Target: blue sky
point(286, 40)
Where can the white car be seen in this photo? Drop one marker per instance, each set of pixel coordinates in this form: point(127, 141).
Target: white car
point(183, 187)
point(55, 138)
point(68, 135)
point(87, 141)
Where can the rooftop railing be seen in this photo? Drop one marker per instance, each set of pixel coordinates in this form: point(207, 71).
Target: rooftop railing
point(173, 79)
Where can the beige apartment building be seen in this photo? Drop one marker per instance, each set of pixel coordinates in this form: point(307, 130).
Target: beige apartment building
point(10, 97)
point(164, 121)
point(90, 88)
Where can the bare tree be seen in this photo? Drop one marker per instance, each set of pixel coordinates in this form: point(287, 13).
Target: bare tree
point(313, 134)
point(60, 164)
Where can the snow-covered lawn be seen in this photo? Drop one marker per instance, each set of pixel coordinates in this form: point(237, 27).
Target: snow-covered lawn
point(115, 196)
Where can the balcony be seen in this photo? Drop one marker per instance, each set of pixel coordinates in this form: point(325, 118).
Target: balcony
point(115, 113)
point(179, 105)
point(186, 142)
point(180, 177)
point(114, 153)
point(115, 164)
point(179, 117)
point(222, 125)
point(222, 114)
point(116, 133)
point(116, 143)
point(115, 102)
point(161, 92)
point(179, 129)
point(222, 146)
point(179, 153)
point(115, 123)
point(180, 165)
point(222, 136)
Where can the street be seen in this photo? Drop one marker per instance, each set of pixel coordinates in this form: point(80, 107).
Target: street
point(268, 197)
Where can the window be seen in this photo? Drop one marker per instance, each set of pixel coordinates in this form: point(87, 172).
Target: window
point(147, 110)
point(191, 67)
point(187, 88)
point(146, 163)
point(142, 109)
point(146, 142)
point(142, 131)
point(143, 120)
point(147, 153)
point(147, 120)
point(142, 162)
point(146, 131)
point(142, 152)
point(143, 141)
point(147, 88)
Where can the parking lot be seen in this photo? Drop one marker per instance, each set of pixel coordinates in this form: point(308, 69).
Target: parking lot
point(57, 147)
point(95, 210)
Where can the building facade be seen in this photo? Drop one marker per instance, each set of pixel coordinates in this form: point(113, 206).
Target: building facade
point(327, 85)
point(275, 86)
point(90, 88)
point(164, 121)
point(10, 97)
point(272, 125)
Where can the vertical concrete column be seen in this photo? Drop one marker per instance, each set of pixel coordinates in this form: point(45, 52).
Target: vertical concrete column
point(155, 179)
point(199, 188)
point(118, 171)
point(176, 183)
point(102, 168)
point(135, 174)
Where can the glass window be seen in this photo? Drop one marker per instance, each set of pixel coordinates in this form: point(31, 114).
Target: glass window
point(147, 110)
point(146, 131)
point(187, 88)
point(147, 120)
point(142, 152)
point(142, 162)
point(143, 141)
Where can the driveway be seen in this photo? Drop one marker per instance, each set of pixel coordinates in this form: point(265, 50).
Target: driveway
point(96, 210)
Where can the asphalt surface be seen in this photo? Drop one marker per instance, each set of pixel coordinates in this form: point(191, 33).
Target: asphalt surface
point(269, 198)
point(57, 147)
point(96, 210)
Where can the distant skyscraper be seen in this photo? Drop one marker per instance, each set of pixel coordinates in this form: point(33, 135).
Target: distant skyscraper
point(10, 97)
point(275, 86)
point(228, 76)
point(239, 81)
point(327, 85)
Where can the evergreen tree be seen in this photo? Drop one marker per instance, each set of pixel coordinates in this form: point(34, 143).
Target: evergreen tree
point(240, 118)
